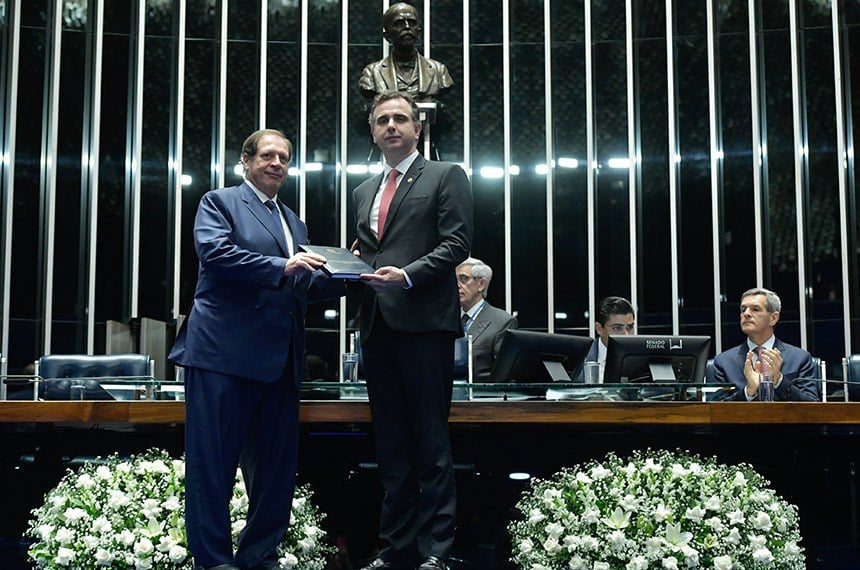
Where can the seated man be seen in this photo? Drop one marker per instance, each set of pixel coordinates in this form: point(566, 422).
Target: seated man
point(615, 316)
point(484, 322)
point(791, 366)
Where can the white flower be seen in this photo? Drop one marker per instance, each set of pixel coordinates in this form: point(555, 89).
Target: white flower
point(655, 509)
point(554, 530)
point(104, 557)
point(289, 560)
point(73, 515)
point(526, 546)
point(761, 521)
point(618, 519)
point(85, 481)
point(129, 513)
point(64, 556)
point(65, 535)
point(763, 556)
point(177, 553)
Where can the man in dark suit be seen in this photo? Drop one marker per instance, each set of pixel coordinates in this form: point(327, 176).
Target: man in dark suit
point(792, 367)
point(485, 323)
point(615, 316)
point(414, 225)
point(242, 347)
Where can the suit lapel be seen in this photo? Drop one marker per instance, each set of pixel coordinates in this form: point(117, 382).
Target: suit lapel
point(264, 216)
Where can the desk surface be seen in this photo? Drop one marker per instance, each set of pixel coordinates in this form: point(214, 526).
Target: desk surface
point(680, 413)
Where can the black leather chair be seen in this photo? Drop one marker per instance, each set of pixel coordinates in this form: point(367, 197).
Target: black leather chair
point(56, 372)
point(851, 374)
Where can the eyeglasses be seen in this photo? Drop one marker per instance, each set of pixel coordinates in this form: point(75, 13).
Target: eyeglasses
point(463, 278)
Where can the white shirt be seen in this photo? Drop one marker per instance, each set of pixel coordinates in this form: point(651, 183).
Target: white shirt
point(287, 233)
point(769, 343)
point(401, 167)
point(601, 356)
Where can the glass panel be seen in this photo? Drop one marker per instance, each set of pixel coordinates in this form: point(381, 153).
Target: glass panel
point(487, 112)
point(201, 19)
point(613, 199)
point(111, 252)
point(737, 212)
point(654, 244)
point(156, 253)
point(25, 308)
point(695, 256)
point(242, 95)
point(827, 334)
point(528, 144)
point(781, 205)
point(570, 189)
point(446, 36)
point(70, 253)
point(322, 191)
point(243, 17)
point(851, 45)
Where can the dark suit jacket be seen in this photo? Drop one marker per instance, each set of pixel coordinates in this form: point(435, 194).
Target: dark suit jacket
point(487, 331)
point(798, 372)
point(247, 317)
point(428, 232)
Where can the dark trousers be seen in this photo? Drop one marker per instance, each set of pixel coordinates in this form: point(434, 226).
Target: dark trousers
point(232, 421)
point(409, 383)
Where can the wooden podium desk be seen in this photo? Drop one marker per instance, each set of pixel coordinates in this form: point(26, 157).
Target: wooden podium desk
point(467, 412)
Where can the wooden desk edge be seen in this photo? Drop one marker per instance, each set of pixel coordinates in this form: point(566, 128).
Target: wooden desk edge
point(474, 412)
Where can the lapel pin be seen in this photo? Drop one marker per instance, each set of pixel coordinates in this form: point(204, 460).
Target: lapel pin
point(409, 180)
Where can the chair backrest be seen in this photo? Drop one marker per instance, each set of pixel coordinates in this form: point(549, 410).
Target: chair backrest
point(709, 371)
point(852, 375)
point(54, 370)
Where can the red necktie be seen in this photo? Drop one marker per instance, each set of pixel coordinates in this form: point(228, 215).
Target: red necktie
point(758, 351)
point(387, 195)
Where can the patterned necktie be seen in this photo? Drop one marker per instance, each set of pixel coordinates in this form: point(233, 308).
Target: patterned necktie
point(273, 209)
point(387, 195)
point(762, 367)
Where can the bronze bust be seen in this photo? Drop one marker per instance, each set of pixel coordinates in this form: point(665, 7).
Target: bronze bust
point(404, 69)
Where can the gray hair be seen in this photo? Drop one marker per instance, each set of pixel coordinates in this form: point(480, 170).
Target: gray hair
point(773, 304)
point(480, 270)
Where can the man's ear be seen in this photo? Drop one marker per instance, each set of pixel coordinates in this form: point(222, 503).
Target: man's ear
point(774, 318)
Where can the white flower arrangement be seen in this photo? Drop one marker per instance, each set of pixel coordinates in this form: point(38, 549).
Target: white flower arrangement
point(130, 513)
point(655, 510)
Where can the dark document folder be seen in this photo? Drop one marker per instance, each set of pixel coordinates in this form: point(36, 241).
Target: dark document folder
point(340, 262)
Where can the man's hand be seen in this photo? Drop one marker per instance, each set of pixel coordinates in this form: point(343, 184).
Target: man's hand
point(303, 262)
point(772, 360)
point(387, 277)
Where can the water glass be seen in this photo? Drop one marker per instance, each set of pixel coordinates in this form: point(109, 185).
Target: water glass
point(766, 388)
point(350, 367)
point(77, 391)
point(591, 372)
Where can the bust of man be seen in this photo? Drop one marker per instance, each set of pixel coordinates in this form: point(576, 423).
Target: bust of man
point(404, 69)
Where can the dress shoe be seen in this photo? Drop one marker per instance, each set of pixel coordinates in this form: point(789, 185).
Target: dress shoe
point(434, 563)
point(380, 564)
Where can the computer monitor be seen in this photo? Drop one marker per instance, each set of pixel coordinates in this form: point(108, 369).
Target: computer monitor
point(656, 358)
point(528, 356)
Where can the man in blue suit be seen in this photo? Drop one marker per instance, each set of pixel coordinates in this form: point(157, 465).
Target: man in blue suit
point(615, 316)
point(414, 225)
point(792, 367)
point(242, 347)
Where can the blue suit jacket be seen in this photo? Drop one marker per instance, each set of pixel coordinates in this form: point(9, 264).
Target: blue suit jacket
point(247, 317)
point(798, 372)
